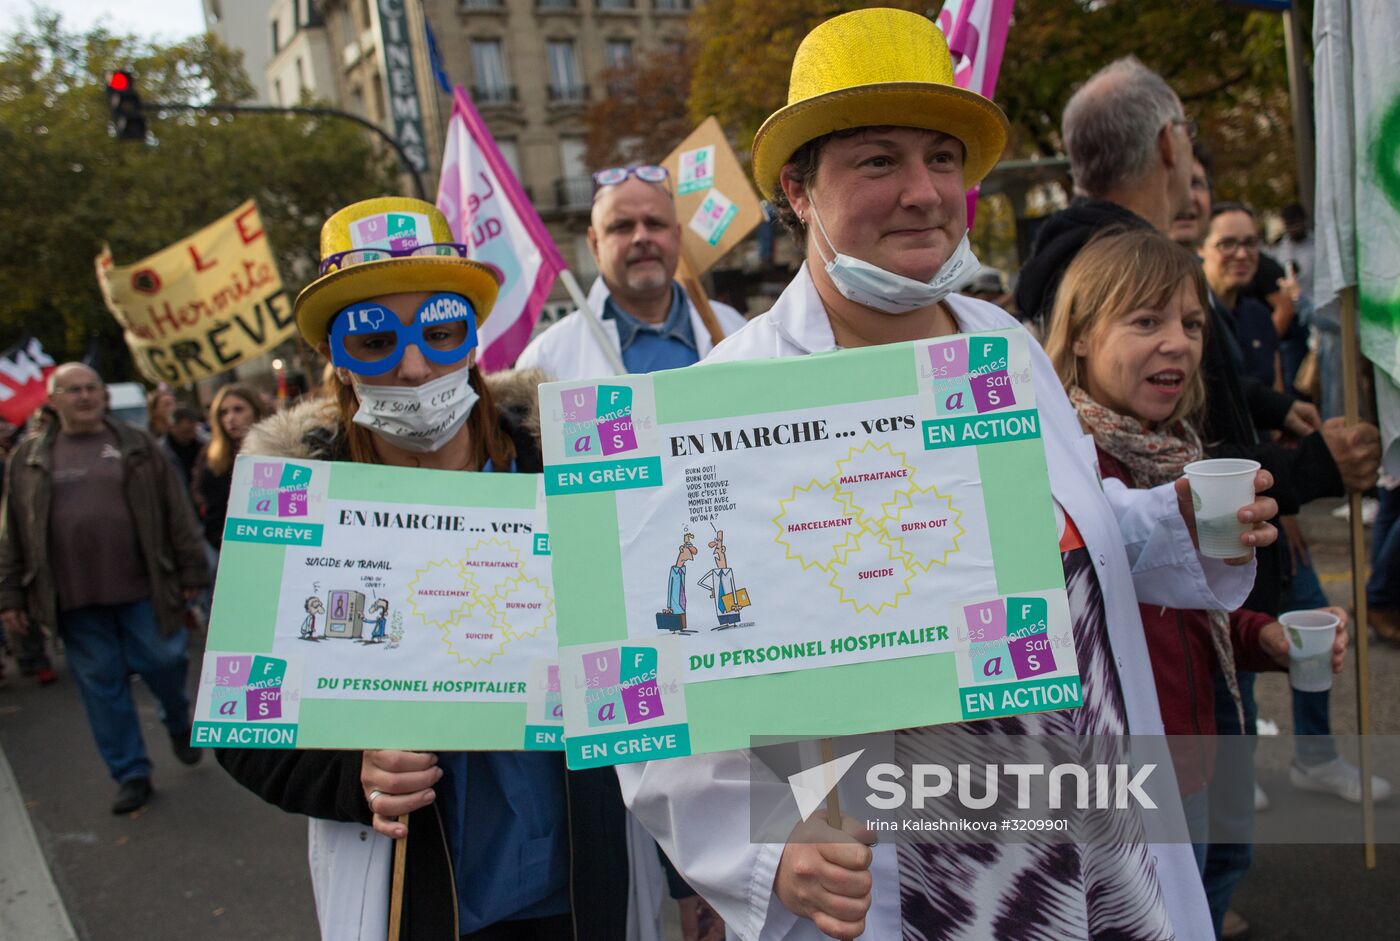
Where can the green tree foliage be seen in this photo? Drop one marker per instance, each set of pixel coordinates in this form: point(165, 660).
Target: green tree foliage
point(1225, 61)
point(70, 186)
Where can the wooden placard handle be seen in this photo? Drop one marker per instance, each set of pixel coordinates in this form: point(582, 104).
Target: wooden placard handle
point(833, 802)
point(396, 883)
point(691, 282)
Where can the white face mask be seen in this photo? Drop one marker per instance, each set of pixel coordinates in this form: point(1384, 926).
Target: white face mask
point(892, 293)
point(417, 418)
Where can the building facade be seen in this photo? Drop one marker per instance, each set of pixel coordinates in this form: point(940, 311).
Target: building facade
point(242, 25)
point(301, 63)
point(530, 66)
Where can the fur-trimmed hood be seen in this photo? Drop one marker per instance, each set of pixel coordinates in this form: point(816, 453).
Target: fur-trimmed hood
point(310, 429)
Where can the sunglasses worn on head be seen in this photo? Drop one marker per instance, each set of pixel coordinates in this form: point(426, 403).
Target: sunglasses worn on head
point(358, 256)
point(646, 172)
point(369, 339)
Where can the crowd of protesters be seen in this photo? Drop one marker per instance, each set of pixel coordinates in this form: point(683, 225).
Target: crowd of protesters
point(1171, 333)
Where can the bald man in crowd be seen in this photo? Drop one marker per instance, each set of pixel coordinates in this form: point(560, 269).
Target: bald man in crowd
point(645, 316)
point(99, 540)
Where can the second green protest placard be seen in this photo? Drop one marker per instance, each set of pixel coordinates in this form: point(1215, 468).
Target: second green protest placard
point(362, 606)
point(824, 545)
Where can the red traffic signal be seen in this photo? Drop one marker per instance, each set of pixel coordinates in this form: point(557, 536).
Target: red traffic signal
point(128, 116)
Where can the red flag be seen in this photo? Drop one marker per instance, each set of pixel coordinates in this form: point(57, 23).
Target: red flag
point(24, 373)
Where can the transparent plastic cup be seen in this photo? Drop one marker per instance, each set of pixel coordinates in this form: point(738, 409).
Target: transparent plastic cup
point(1310, 635)
point(1220, 488)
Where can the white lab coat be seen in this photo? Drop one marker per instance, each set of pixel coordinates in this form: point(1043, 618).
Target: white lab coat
point(351, 866)
point(698, 807)
point(569, 349)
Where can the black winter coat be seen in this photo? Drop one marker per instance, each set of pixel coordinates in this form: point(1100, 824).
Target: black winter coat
point(326, 784)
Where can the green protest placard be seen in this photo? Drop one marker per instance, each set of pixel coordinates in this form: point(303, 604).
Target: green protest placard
point(360, 606)
point(822, 545)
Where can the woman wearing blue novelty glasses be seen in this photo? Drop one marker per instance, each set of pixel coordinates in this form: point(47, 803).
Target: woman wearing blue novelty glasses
point(500, 845)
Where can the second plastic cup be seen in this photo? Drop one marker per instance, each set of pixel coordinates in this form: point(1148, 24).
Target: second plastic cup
point(1220, 488)
point(1310, 635)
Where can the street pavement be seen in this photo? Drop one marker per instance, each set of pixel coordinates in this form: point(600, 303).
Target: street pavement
point(205, 859)
point(208, 860)
point(1294, 893)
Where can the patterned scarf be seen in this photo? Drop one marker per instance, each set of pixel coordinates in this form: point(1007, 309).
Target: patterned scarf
point(1153, 458)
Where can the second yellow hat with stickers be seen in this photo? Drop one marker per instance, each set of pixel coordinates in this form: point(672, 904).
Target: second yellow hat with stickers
point(390, 245)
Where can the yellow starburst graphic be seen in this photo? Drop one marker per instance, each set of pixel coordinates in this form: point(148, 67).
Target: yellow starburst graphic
point(941, 528)
point(887, 577)
point(432, 594)
point(870, 480)
point(816, 504)
point(491, 573)
point(529, 621)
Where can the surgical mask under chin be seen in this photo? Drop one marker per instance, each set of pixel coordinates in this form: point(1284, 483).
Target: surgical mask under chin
point(892, 293)
point(417, 418)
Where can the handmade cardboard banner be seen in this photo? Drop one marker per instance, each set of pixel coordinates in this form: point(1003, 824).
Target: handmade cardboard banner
point(824, 545)
point(202, 306)
point(360, 606)
point(715, 202)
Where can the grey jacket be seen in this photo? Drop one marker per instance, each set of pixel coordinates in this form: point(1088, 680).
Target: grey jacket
point(166, 528)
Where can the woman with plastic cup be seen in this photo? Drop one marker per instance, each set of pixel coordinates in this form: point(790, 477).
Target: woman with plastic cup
point(869, 165)
point(500, 845)
point(1126, 338)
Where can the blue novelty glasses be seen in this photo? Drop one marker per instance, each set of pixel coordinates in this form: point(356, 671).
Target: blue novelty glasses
point(369, 339)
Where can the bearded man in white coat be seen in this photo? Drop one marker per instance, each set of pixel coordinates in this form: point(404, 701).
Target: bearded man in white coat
point(869, 164)
point(644, 316)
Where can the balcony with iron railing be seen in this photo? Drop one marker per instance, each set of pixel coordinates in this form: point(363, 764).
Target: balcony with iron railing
point(616, 6)
point(572, 94)
point(493, 96)
point(555, 6)
point(573, 193)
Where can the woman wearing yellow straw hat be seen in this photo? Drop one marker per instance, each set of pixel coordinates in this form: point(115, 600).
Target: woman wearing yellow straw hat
point(493, 848)
point(868, 164)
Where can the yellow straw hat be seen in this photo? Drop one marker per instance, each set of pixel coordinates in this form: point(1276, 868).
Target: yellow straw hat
point(873, 68)
point(394, 223)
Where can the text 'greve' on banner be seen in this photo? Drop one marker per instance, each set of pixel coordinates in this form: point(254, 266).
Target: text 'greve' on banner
point(490, 213)
point(200, 307)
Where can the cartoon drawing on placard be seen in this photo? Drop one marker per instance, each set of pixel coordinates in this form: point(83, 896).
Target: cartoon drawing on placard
point(345, 614)
point(729, 599)
point(672, 617)
point(313, 607)
point(378, 615)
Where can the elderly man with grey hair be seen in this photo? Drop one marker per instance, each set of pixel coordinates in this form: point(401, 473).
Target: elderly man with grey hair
point(1129, 146)
point(98, 538)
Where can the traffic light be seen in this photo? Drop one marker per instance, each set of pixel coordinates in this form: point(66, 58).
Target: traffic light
point(128, 117)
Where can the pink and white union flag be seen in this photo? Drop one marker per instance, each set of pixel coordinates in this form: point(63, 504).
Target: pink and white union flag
point(489, 211)
point(976, 31)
